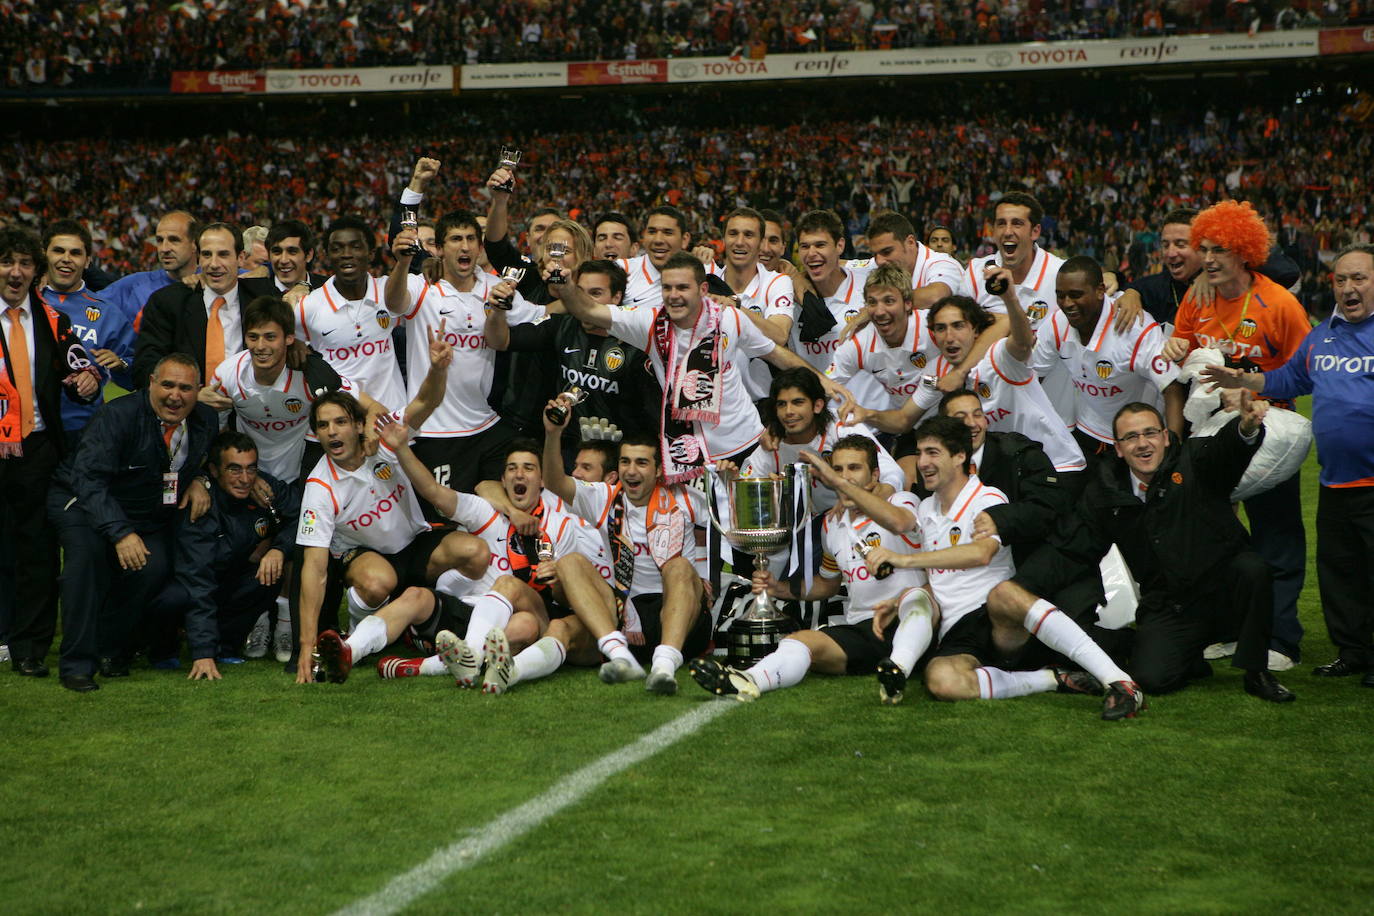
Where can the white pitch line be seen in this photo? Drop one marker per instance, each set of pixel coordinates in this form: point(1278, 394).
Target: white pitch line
point(512, 825)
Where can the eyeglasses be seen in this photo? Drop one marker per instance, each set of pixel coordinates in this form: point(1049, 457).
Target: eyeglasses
point(239, 470)
point(1151, 433)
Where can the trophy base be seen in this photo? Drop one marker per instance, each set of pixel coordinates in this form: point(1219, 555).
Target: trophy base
point(749, 640)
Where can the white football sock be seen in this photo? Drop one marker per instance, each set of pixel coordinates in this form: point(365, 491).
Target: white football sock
point(432, 666)
point(358, 608)
point(1058, 631)
point(785, 666)
point(614, 645)
point(996, 684)
point(367, 637)
point(913, 634)
point(539, 660)
point(666, 658)
point(488, 611)
point(452, 582)
point(283, 611)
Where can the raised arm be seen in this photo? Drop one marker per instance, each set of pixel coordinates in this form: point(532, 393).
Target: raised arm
point(784, 358)
point(1021, 339)
point(431, 393)
point(556, 480)
point(397, 294)
point(583, 307)
point(397, 438)
point(498, 211)
point(893, 518)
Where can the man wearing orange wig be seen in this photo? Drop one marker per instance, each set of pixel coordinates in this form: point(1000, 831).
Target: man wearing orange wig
point(1257, 325)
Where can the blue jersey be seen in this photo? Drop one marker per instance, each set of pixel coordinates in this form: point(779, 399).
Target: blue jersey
point(1335, 364)
point(130, 293)
point(98, 326)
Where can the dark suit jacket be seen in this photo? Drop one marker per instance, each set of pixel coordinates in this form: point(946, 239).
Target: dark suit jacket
point(50, 365)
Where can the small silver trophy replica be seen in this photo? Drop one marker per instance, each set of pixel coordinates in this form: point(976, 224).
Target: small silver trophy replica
point(510, 158)
point(763, 517)
point(514, 275)
point(556, 252)
point(410, 219)
point(558, 413)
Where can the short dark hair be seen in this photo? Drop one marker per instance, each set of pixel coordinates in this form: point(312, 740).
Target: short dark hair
point(342, 399)
point(942, 409)
point(951, 433)
point(671, 212)
point(68, 227)
point(14, 240)
point(175, 359)
point(230, 228)
point(679, 260)
point(1184, 215)
point(809, 384)
point(893, 223)
point(857, 443)
point(1137, 407)
point(546, 211)
point(980, 318)
point(746, 213)
point(821, 221)
point(643, 440)
point(524, 444)
point(1082, 264)
point(269, 310)
point(773, 216)
point(612, 216)
point(230, 439)
point(936, 228)
point(611, 269)
point(456, 219)
point(344, 223)
point(609, 452)
point(1022, 199)
point(290, 229)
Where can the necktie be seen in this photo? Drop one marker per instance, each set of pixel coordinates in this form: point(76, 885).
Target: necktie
point(19, 368)
point(168, 430)
point(214, 339)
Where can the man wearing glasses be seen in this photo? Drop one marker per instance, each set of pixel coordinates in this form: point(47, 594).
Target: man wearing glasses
point(1167, 506)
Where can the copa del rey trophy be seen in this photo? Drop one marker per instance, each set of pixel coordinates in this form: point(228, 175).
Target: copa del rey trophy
point(765, 515)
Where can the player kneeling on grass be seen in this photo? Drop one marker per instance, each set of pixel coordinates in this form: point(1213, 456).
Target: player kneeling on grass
point(963, 570)
point(864, 523)
point(525, 602)
point(361, 525)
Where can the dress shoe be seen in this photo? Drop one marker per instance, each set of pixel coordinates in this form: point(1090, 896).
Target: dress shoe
point(80, 683)
point(1341, 667)
point(1267, 687)
point(1367, 680)
point(114, 667)
point(30, 667)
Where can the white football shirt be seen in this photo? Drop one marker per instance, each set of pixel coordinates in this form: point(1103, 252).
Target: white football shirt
point(593, 503)
point(643, 286)
point(960, 591)
point(373, 506)
point(355, 338)
point(762, 463)
point(897, 369)
point(768, 294)
point(843, 557)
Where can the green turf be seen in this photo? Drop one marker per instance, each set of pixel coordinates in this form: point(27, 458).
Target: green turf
point(253, 795)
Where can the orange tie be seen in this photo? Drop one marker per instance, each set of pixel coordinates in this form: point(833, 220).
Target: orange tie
point(19, 368)
point(168, 429)
point(214, 340)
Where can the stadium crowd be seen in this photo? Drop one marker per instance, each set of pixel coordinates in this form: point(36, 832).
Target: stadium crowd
point(137, 42)
point(497, 449)
point(1102, 175)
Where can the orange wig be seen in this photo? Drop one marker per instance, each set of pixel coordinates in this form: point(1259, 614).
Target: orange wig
point(1235, 226)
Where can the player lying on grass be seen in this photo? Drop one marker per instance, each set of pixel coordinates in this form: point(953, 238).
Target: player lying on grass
point(649, 530)
point(984, 655)
point(866, 523)
point(523, 599)
point(360, 523)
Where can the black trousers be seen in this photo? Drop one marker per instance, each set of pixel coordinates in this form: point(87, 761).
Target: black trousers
point(1236, 603)
point(102, 604)
point(239, 601)
point(1345, 569)
point(31, 538)
point(1278, 535)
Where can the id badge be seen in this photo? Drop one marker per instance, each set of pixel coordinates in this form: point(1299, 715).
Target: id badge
point(169, 488)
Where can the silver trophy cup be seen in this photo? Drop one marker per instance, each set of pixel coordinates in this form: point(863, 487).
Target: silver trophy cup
point(764, 512)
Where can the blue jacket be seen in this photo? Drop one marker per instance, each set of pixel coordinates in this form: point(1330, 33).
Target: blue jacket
point(1335, 364)
point(219, 543)
point(130, 292)
point(99, 327)
point(116, 472)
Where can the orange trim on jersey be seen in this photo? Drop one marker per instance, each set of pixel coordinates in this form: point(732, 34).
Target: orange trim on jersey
point(992, 355)
point(973, 282)
point(300, 312)
point(328, 298)
point(644, 269)
point(970, 499)
point(1044, 266)
point(1054, 326)
point(858, 348)
point(487, 523)
point(909, 541)
point(332, 498)
point(1362, 482)
point(420, 301)
point(1140, 340)
point(1106, 326)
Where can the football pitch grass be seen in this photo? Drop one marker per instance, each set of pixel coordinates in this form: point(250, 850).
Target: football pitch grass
point(252, 795)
